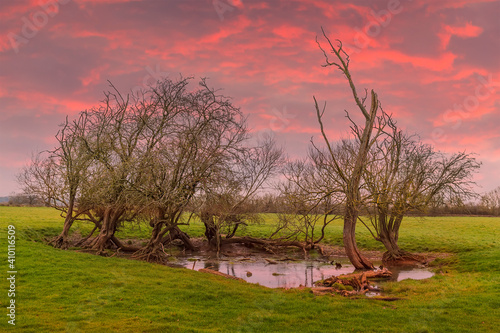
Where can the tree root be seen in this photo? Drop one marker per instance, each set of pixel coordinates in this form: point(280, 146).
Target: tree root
point(123, 247)
point(350, 284)
point(153, 253)
point(402, 258)
point(99, 245)
point(59, 242)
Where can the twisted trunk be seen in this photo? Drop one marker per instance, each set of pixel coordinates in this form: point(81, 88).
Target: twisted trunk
point(154, 250)
point(391, 244)
point(108, 228)
point(61, 241)
point(211, 231)
point(176, 233)
point(349, 237)
point(388, 235)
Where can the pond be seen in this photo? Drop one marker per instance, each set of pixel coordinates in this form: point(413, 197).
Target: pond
point(274, 273)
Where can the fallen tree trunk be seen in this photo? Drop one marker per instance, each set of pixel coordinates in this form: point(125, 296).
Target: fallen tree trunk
point(264, 242)
point(350, 284)
point(383, 273)
point(320, 291)
point(123, 247)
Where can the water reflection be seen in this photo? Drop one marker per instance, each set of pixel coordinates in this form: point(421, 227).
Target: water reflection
point(215, 265)
point(403, 273)
point(288, 274)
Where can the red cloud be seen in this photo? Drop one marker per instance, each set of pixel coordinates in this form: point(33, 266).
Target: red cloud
point(289, 31)
point(466, 31)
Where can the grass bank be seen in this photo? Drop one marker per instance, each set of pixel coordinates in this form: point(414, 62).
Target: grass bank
point(67, 291)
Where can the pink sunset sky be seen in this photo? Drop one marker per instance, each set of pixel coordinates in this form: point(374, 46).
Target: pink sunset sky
point(434, 64)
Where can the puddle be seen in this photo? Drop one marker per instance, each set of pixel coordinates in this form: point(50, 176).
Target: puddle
point(288, 274)
point(402, 273)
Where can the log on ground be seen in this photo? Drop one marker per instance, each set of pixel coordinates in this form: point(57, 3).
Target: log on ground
point(352, 284)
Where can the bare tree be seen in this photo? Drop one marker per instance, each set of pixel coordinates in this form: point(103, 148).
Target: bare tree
point(111, 138)
point(204, 131)
point(40, 178)
point(350, 182)
point(228, 194)
point(385, 173)
point(491, 201)
point(56, 175)
point(307, 203)
point(405, 175)
point(147, 155)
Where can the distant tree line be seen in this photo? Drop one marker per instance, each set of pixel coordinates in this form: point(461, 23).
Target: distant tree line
point(20, 200)
point(488, 205)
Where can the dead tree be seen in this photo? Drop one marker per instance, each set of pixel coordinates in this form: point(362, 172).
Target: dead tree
point(350, 182)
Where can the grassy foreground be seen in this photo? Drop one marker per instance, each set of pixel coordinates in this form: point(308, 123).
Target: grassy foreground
point(66, 291)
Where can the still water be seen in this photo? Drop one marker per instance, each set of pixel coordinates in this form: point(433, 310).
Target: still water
point(288, 274)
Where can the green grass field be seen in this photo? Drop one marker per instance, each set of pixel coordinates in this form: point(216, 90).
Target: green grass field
point(68, 291)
